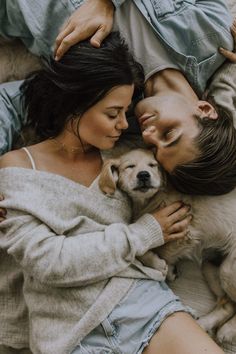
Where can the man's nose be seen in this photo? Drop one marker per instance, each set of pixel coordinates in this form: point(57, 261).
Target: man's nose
point(150, 135)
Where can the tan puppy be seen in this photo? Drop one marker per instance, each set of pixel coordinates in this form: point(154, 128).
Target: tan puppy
point(212, 230)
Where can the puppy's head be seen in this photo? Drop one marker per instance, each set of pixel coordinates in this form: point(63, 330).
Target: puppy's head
point(136, 172)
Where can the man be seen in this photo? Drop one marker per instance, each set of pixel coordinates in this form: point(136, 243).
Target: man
point(177, 45)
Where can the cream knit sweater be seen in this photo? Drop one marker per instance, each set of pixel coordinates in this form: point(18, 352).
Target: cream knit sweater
point(77, 252)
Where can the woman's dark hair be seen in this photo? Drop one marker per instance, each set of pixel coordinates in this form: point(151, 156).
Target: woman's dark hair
point(214, 171)
point(84, 75)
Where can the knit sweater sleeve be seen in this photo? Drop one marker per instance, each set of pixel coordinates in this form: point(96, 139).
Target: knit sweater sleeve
point(77, 260)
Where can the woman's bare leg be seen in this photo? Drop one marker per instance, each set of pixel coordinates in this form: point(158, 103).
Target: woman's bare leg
point(180, 334)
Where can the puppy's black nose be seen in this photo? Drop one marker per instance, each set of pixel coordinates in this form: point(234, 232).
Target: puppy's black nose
point(143, 176)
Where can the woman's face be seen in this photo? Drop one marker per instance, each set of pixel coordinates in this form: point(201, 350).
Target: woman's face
point(168, 123)
point(102, 124)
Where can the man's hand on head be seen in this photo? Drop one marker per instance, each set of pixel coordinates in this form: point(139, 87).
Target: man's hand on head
point(227, 53)
point(94, 18)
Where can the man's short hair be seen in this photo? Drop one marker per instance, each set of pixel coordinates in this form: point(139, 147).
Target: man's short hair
point(213, 172)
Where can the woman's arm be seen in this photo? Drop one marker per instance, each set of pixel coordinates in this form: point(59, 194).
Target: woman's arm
point(83, 257)
point(77, 260)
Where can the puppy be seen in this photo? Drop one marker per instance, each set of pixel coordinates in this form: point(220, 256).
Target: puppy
point(212, 230)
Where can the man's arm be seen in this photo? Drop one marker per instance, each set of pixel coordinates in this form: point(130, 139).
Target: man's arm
point(11, 114)
point(231, 55)
point(94, 18)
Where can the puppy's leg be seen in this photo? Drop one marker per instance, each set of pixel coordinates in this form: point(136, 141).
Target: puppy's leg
point(225, 308)
point(227, 333)
point(228, 276)
point(223, 311)
point(211, 274)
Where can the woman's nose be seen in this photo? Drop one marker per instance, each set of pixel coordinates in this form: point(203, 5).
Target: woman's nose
point(122, 123)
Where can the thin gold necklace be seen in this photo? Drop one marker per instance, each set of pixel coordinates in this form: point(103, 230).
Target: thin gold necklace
point(63, 146)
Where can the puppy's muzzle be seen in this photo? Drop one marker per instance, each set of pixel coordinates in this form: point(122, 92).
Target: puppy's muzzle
point(143, 181)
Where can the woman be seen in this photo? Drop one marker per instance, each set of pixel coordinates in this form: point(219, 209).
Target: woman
point(84, 287)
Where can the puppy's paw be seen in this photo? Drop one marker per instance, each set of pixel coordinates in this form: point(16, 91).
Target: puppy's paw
point(227, 333)
point(172, 273)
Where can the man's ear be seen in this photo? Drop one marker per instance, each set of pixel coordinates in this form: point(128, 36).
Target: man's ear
point(205, 109)
point(109, 176)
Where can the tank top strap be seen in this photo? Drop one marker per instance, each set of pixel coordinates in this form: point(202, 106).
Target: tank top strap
point(30, 158)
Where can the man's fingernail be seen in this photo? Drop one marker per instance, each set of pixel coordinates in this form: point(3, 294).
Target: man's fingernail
point(221, 50)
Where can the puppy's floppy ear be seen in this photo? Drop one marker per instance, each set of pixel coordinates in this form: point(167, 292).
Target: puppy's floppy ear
point(109, 176)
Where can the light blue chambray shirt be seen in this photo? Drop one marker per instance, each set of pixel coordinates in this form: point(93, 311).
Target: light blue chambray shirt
point(190, 30)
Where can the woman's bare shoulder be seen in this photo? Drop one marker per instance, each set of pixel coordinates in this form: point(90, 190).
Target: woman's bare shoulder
point(15, 158)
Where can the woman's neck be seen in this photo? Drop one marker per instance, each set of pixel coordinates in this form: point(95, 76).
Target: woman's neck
point(70, 144)
point(169, 81)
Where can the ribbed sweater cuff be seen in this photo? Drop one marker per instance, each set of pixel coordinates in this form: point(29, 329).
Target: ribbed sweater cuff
point(149, 233)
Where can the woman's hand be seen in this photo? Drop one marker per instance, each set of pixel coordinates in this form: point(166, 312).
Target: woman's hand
point(93, 19)
point(226, 53)
point(174, 220)
point(3, 212)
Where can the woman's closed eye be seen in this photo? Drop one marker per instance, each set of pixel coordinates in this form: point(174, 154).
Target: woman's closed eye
point(112, 115)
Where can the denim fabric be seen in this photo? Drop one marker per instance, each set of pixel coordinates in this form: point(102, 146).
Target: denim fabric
point(190, 30)
point(130, 326)
point(35, 22)
point(11, 114)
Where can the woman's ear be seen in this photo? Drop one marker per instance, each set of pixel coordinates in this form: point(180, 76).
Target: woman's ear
point(206, 110)
point(109, 176)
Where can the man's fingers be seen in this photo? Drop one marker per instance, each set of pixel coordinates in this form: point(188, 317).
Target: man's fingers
point(99, 36)
point(60, 42)
point(63, 33)
point(228, 54)
point(68, 42)
point(233, 29)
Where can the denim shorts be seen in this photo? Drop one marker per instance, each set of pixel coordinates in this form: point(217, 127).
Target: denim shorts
point(132, 323)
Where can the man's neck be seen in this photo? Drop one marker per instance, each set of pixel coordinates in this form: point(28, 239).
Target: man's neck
point(169, 81)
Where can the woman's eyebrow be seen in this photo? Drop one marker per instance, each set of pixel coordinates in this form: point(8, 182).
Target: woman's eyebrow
point(114, 107)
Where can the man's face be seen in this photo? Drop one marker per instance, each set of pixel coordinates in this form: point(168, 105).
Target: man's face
point(168, 123)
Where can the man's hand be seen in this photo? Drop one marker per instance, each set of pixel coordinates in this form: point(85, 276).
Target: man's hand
point(93, 19)
point(226, 53)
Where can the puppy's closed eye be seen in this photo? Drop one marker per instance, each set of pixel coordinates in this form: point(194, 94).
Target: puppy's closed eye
point(129, 166)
